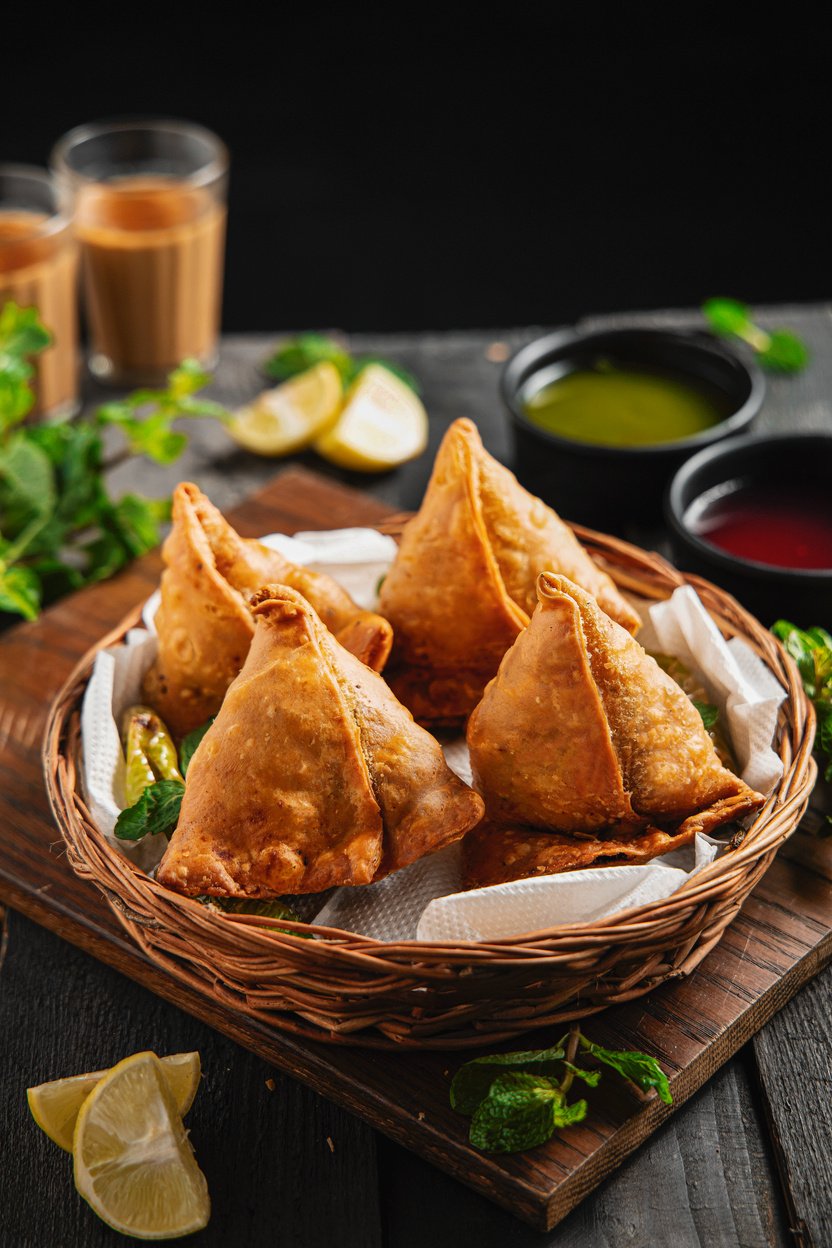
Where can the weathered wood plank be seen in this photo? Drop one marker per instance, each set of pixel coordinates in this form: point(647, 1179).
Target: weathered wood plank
point(272, 1174)
point(795, 1068)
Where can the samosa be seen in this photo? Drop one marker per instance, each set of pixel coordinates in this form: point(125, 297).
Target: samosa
point(463, 582)
point(582, 733)
point(204, 622)
point(312, 774)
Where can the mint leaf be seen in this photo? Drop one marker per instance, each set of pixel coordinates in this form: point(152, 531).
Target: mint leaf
point(472, 1082)
point(27, 484)
point(592, 1077)
point(645, 1072)
point(709, 713)
point(802, 647)
point(811, 650)
point(157, 810)
point(779, 351)
point(785, 353)
point(22, 333)
point(20, 591)
point(136, 521)
point(296, 355)
point(520, 1112)
point(727, 316)
point(188, 748)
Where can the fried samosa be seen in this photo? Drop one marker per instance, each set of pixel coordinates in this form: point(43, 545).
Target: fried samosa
point(463, 583)
point(582, 733)
point(204, 622)
point(495, 854)
point(312, 774)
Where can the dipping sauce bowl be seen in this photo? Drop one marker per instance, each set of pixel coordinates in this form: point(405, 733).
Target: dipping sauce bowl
point(609, 486)
point(754, 514)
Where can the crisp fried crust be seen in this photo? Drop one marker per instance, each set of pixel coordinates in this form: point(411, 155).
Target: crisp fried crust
point(540, 743)
point(312, 775)
point(582, 733)
point(204, 622)
point(495, 854)
point(669, 763)
point(463, 583)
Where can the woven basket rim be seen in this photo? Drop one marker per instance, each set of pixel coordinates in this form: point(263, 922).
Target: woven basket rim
point(750, 849)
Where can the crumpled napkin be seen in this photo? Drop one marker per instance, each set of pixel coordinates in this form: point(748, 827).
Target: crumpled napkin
point(421, 902)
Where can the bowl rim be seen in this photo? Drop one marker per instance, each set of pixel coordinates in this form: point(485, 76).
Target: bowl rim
point(537, 349)
point(674, 509)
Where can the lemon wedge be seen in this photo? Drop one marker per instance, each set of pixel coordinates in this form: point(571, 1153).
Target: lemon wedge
point(55, 1105)
point(383, 424)
point(290, 416)
point(133, 1162)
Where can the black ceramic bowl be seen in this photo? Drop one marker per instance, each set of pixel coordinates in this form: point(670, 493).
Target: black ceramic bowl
point(767, 591)
point(611, 487)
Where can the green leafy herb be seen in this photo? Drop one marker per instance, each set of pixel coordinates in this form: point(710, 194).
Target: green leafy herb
point(779, 350)
point(270, 908)
point(296, 355)
point(520, 1112)
point(811, 650)
point(471, 1082)
point(59, 527)
point(189, 744)
point(518, 1100)
point(645, 1072)
point(708, 712)
point(157, 810)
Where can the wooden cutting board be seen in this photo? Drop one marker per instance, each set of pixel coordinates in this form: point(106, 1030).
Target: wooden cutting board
point(782, 937)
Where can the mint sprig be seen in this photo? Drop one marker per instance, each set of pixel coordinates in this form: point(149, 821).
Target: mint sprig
point(778, 350)
point(59, 526)
point(296, 355)
point(157, 810)
point(811, 649)
point(472, 1081)
point(517, 1101)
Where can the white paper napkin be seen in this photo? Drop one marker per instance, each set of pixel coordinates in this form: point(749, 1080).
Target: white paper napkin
point(422, 902)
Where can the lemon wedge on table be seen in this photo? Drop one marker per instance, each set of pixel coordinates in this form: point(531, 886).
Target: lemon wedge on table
point(290, 416)
point(133, 1162)
point(55, 1105)
point(383, 424)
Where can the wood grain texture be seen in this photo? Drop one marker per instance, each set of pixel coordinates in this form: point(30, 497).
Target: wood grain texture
point(419, 1203)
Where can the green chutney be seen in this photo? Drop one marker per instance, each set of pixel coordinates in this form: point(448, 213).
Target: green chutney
point(611, 406)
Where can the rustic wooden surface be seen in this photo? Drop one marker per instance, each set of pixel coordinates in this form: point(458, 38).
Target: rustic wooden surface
point(707, 1177)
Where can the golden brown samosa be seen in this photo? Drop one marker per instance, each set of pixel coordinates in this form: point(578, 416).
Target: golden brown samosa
point(312, 774)
point(495, 854)
point(204, 622)
point(581, 732)
point(463, 583)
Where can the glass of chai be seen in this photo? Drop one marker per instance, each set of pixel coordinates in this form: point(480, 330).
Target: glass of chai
point(149, 200)
point(38, 268)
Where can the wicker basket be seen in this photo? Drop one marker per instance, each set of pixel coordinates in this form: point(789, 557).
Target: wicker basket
point(349, 989)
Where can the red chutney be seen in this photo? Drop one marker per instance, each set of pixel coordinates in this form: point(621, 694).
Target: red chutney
point(788, 526)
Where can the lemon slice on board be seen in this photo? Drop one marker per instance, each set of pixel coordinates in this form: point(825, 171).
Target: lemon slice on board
point(383, 424)
point(291, 415)
point(55, 1105)
point(133, 1162)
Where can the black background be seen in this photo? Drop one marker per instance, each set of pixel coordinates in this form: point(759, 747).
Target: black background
point(402, 169)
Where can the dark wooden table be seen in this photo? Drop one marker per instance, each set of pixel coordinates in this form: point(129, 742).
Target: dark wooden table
point(746, 1162)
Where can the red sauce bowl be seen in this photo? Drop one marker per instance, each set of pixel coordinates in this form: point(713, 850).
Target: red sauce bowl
point(783, 468)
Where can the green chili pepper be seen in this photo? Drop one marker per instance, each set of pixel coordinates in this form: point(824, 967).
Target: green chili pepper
point(149, 752)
